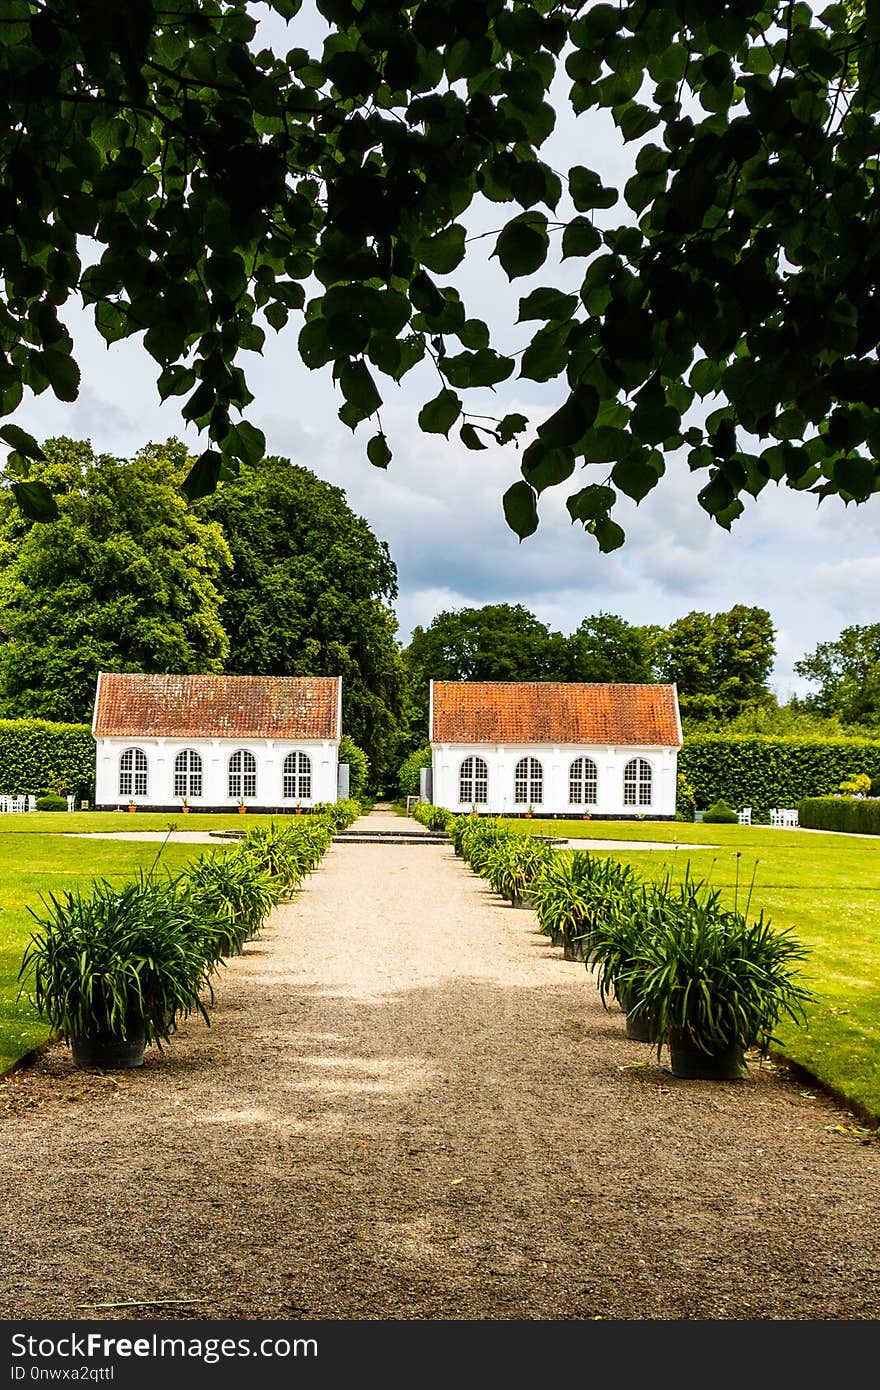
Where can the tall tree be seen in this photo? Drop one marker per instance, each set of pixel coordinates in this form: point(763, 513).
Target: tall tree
point(497, 642)
point(309, 594)
point(607, 648)
point(721, 663)
point(227, 186)
point(126, 580)
point(847, 673)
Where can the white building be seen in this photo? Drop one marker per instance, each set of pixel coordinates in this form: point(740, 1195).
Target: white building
point(558, 749)
point(269, 742)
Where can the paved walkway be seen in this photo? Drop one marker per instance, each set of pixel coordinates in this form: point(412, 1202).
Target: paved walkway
point(409, 1106)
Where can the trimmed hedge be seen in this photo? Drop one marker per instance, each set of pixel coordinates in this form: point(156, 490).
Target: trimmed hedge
point(358, 767)
point(840, 813)
point(408, 776)
point(759, 771)
point(37, 756)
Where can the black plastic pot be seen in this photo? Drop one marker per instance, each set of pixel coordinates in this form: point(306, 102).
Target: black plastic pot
point(573, 950)
point(693, 1064)
point(638, 1027)
point(100, 1052)
point(525, 901)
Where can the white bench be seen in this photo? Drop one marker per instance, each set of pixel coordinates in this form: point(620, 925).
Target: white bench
point(9, 804)
point(783, 815)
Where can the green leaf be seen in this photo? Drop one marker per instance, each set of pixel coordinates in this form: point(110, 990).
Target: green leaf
point(175, 381)
point(609, 535)
point(359, 389)
point(439, 415)
point(62, 373)
point(443, 252)
point(201, 480)
point(569, 423)
point(636, 476)
point(855, 475)
point(543, 466)
point(19, 439)
point(587, 190)
point(546, 303)
point(469, 438)
point(35, 501)
point(521, 509)
point(522, 246)
point(244, 441)
point(546, 355)
point(591, 503)
point(510, 426)
point(580, 238)
point(378, 451)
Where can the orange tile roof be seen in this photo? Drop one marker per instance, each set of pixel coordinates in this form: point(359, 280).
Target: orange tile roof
point(555, 712)
point(286, 707)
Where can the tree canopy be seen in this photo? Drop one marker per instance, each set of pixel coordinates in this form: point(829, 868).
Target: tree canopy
point(721, 662)
point(197, 189)
point(128, 579)
point(309, 594)
point(607, 648)
point(847, 673)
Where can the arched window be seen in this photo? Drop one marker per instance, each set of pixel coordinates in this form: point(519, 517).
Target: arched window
point(583, 782)
point(528, 782)
point(638, 778)
point(242, 774)
point(298, 776)
point(133, 773)
point(473, 782)
point(187, 773)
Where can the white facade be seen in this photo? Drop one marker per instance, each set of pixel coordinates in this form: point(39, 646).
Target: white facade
point(215, 779)
point(614, 783)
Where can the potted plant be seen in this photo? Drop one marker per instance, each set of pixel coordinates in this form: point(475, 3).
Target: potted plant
point(529, 812)
point(115, 968)
point(513, 863)
point(184, 805)
point(241, 806)
point(714, 983)
point(132, 805)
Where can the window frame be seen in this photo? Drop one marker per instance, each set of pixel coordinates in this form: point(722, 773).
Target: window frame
point(473, 779)
point(188, 779)
point(583, 780)
point(241, 776)
point(528, 784)
point(137, 773)
point(638, 783)
point(297, 776)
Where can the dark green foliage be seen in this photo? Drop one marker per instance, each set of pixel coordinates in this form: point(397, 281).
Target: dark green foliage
point(719, 813)
point(235, 891)
point(51, 803)
point(125, 580)
point(432, 817)
point(515, 862)
point(847, 673)
point(310, 593)
point(721, 662)
point(761, 772)
point(608, 648)
point(847, 814)
point(37, 756)
point(579, 894)
point(217, 185)
point(408, 775)
point(685, 800)
point(359, 766)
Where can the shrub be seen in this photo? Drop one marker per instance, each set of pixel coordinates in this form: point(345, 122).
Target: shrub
point(228, 887)
point(709, 975)
point(37, 755)
point(51, 803)
point(358, 765)
point(860, 785)
point(117, 959)
point(514, 862)
point(759, 771)
point(685, 801)
point(875, 786)
point(840, 813)
point(408, 775)
point(433, 817)
point(721, 814)
point(578, 892)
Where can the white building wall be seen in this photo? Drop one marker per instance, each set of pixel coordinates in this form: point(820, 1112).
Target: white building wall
point(215, 754)
point(556, 761)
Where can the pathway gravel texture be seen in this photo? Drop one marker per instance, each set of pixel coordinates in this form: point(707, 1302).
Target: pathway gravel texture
point(409, 1106)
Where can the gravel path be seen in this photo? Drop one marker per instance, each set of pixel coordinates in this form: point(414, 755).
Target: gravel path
point(408, 1106)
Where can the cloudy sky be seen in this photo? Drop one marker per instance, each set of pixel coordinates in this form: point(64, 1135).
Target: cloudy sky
point(439, 505)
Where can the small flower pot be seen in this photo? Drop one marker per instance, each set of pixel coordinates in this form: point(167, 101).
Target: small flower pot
point(242, 810)
point(98, 1052)
point(693, 1064)
point(185, 810)
point(131, 810)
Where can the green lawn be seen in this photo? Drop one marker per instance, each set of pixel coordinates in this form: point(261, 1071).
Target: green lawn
point(37, 857)
point(825, 886)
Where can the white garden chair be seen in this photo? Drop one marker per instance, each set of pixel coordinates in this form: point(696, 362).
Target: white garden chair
point(784, 815)
point(745, 816)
